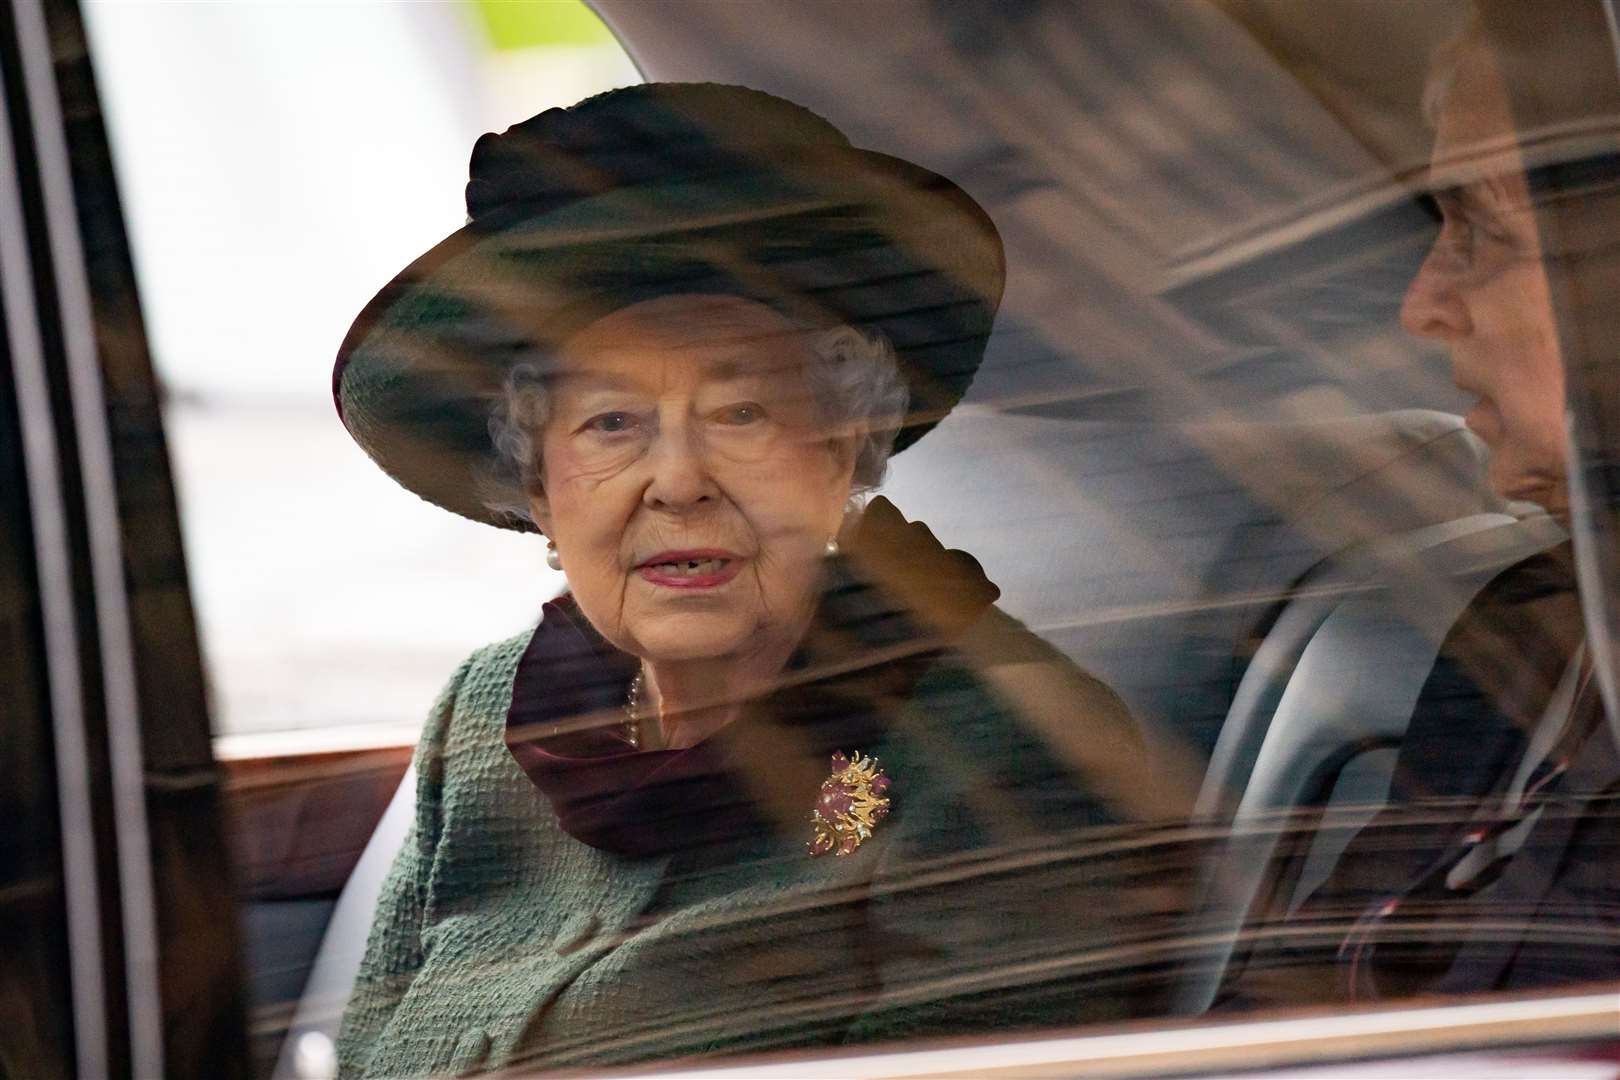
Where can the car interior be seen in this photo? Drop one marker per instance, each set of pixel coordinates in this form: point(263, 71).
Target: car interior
point(1263, 515)
point(1262, 506)
point(1202, 458)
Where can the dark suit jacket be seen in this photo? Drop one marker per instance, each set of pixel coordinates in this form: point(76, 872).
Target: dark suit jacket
point(1386, 923)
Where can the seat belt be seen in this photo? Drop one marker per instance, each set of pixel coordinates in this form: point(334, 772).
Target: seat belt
point(1532, 775)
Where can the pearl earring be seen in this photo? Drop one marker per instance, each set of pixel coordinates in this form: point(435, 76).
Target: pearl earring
point(832, 547)
point(553, 559)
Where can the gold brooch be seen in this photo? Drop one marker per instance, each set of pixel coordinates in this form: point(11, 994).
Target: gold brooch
point(852, 801)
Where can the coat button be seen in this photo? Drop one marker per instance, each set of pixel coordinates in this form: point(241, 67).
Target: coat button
point(314, 1056)
point(578, 935)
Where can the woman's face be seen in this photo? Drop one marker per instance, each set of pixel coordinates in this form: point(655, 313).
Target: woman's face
point(689, 482)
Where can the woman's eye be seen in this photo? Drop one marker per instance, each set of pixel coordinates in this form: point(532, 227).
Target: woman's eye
point(610, 423)
point(746, 412)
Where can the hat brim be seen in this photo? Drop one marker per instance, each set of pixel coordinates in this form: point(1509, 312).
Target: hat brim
point(831, 235)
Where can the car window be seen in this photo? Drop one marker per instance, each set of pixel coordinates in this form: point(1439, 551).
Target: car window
point(253, 259)
point(1197, 606)
point(214, 138)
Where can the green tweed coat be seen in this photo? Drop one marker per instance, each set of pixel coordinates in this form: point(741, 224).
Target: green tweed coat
point(500, 940)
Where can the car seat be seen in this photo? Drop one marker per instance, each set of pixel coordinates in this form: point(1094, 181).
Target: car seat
point(1323, 707)
point(308, 1053)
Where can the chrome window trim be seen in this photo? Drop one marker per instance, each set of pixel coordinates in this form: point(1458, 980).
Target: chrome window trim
point(42, 467)
point(136, 886)
point(1205, 1049)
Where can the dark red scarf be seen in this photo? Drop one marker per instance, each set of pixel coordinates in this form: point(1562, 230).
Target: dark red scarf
point(565, 728)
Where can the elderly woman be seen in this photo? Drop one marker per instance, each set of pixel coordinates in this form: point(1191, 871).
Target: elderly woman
point(688, 812)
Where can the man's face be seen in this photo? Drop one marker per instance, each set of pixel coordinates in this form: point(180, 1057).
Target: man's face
point(1483, 291)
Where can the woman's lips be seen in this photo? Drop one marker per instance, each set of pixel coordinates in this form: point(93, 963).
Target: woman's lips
point(702, 569)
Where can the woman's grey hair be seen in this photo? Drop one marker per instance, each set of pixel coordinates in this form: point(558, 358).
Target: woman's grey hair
point(853, 375)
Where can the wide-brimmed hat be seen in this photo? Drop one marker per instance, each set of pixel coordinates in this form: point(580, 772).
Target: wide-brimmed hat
point(647, 191)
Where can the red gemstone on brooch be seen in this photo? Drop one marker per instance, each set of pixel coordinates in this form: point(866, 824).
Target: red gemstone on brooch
point(850, 804)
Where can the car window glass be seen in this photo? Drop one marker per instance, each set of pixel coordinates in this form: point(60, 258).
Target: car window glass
point(1229, 642)
point(253, 258)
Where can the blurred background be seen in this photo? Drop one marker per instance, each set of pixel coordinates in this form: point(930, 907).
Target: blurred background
point(279, 162)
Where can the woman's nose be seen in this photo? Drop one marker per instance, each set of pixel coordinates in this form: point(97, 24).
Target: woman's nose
point(1433, 306)
point(680, 470)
